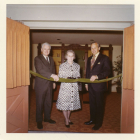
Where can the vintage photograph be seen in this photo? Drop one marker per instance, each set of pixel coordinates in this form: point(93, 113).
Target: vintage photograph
point(70, 68)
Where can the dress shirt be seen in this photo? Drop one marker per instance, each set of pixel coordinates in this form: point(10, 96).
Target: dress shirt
point(45, 58)
point(48, 61)
point(96, 55)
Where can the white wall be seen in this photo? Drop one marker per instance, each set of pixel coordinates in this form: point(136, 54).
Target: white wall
point(78, 17)
point(75, 12)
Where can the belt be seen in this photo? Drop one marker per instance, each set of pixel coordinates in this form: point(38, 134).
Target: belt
point(72, 78)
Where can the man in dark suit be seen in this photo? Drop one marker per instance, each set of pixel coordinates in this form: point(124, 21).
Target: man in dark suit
point(44, 65)
point(98, 67)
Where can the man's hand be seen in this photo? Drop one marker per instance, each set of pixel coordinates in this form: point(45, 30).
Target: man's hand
point(54, 85)
point(86, 86)
point(93, 78)
point(55, 77)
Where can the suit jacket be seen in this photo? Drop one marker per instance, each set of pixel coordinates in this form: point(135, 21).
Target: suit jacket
point(101, 68)
point(46, 69)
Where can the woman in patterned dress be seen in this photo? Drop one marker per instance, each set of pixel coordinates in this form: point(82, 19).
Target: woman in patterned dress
point(68, 98)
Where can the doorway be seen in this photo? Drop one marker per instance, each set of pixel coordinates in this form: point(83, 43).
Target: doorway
point(59, 47)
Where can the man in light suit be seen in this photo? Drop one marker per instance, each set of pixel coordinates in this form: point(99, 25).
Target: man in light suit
point(44, 65)
point(98, 67)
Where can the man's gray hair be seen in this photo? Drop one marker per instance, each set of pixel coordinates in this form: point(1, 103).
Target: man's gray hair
point(46, 44)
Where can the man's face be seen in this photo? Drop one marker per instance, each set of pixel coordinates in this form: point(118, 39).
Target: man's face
point(94, 49)
point(45, 50)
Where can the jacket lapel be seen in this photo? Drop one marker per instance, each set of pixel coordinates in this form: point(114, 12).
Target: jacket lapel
point(50, 60)
point(97, 60)
point(44, 60)
point(90, 60)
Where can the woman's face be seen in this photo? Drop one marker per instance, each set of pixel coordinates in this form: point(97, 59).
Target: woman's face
point(70, 57)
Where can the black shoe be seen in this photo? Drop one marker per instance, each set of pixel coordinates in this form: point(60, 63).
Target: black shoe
point(89, 122)
point(95, 127)
point(68, 126)
point(71, 123)
point(39, 125)
point(50, 121)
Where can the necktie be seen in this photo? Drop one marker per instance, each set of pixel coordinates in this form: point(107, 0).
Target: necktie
point(47, 59)
point(92, 61)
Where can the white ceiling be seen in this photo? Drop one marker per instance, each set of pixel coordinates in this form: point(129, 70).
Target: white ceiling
point(73, 16)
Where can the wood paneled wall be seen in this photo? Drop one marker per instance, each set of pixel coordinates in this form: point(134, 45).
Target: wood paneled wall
point(17, 110)
point(128, 58)
point(17, 54)
point(17, 81)
point(127, 115)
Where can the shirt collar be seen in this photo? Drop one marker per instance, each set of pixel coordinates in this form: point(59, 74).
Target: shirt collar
point(96, 55)
point(45, 56)
point(70, 64)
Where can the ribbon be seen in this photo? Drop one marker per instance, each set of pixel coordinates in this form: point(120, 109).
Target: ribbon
point(84, 80)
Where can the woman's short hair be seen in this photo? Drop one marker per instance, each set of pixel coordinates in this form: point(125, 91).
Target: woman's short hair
point(69, 51)
point(46, 44)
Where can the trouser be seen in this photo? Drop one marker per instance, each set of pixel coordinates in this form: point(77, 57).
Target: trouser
point(96, 100)
point(43, 102)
